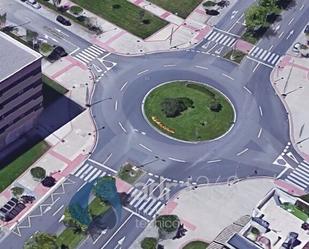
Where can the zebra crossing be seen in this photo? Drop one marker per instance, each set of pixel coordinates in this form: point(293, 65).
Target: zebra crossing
point(143, 203)
point(89, 54)
point(88, 173)
point(264, 55)
point(299, 176)
point(221, 38)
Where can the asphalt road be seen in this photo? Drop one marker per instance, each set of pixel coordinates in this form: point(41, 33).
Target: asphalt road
point(259, 135)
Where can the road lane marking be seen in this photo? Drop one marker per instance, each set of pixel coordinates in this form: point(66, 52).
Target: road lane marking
point(301, 7)
point(261, 111)
point(115, 233)
point(102, 165)
point(242, 152)
point(214, 161)
point(281, 34)
point(176, 160)
point(260, 132)
point(250, 58)
point(124, 85)
point(246, 88)
point(291, 21)
point(121, 126)
point(101, 234)
point(108, 157)
point(116, 105)
point(81, 186)
point(58, 210)
point(227, 76)
point(143, 72)
point(145, 147)
point(201, 67)
point(170, 65)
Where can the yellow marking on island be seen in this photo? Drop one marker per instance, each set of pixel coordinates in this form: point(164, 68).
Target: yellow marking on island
point(158, 122)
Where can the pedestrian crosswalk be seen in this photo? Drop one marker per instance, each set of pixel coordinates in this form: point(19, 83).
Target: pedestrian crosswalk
point(221, 38)
point(264, 55)
point(87, 55)
point(141, 202)
point(300, 176)
point(89, 173)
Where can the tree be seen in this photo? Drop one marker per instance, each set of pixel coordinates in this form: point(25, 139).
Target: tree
point(149, 243)
point(41, 241)
point(38, 173)
point(215, 107)
point(167, 226)
point(69, 221)
point(173, 107)
point(2, 20)
point(31, 36)
point(17, 191)
point(256, 17)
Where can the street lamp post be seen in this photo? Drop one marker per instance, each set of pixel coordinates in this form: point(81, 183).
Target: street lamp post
point(99, 101)
point(157, 158)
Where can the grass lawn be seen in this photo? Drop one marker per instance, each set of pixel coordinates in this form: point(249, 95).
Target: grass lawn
point(196, 245)
point(69, 238)
point(125, 15)
point(183, 8)
point(128, 174)
point(194, 124)
point(13, 170)
point(295, 211)
point(235, 56)
point(97, 207)
point(51, 90)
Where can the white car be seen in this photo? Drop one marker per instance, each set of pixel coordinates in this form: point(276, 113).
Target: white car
point(296, 47)
point(34, 4)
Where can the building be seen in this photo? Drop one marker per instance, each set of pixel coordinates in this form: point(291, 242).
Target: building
point(279, 221)
point(20, 89)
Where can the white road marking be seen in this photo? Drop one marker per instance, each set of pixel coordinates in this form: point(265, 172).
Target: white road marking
point(81, 186)
point(227, 76)
point(250, 58)
point(176, 160)
point(271, 47)
point(108, 157)
point(260, 132)
point(301, 7)
point(102, 165)
point(124, 85)
point(121, 126)
point(143, 72)
point(58, 210)
point(255, 68)
point(101, 234)
point(226, 32)
point(291, 33)
point(281, 34)
point(290, 22)
point(145, 147)
point(242, 152)
point(261, 111)
point(170, 65)
point(214, 161)
point(246, 88)
point(201, 67)
point(116, 105)
point(115, 233)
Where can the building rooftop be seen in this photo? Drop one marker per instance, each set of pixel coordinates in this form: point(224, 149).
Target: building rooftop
point(14, 56)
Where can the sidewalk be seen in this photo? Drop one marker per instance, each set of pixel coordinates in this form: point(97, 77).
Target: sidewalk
point(290, 80)
point(70, 145)
point(207, 210)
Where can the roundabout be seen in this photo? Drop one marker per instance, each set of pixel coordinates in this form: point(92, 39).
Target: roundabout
point(188, 111)
point(246, 148)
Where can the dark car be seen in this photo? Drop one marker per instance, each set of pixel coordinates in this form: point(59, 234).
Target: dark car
point(60, 51)
point(290, 241)
point(63, 21)
point(306, 31)
point(212, 12)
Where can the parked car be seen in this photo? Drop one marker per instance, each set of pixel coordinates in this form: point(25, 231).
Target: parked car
point(306, 31)
point(290, 241)
point(63, 21)
point(34, 4)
